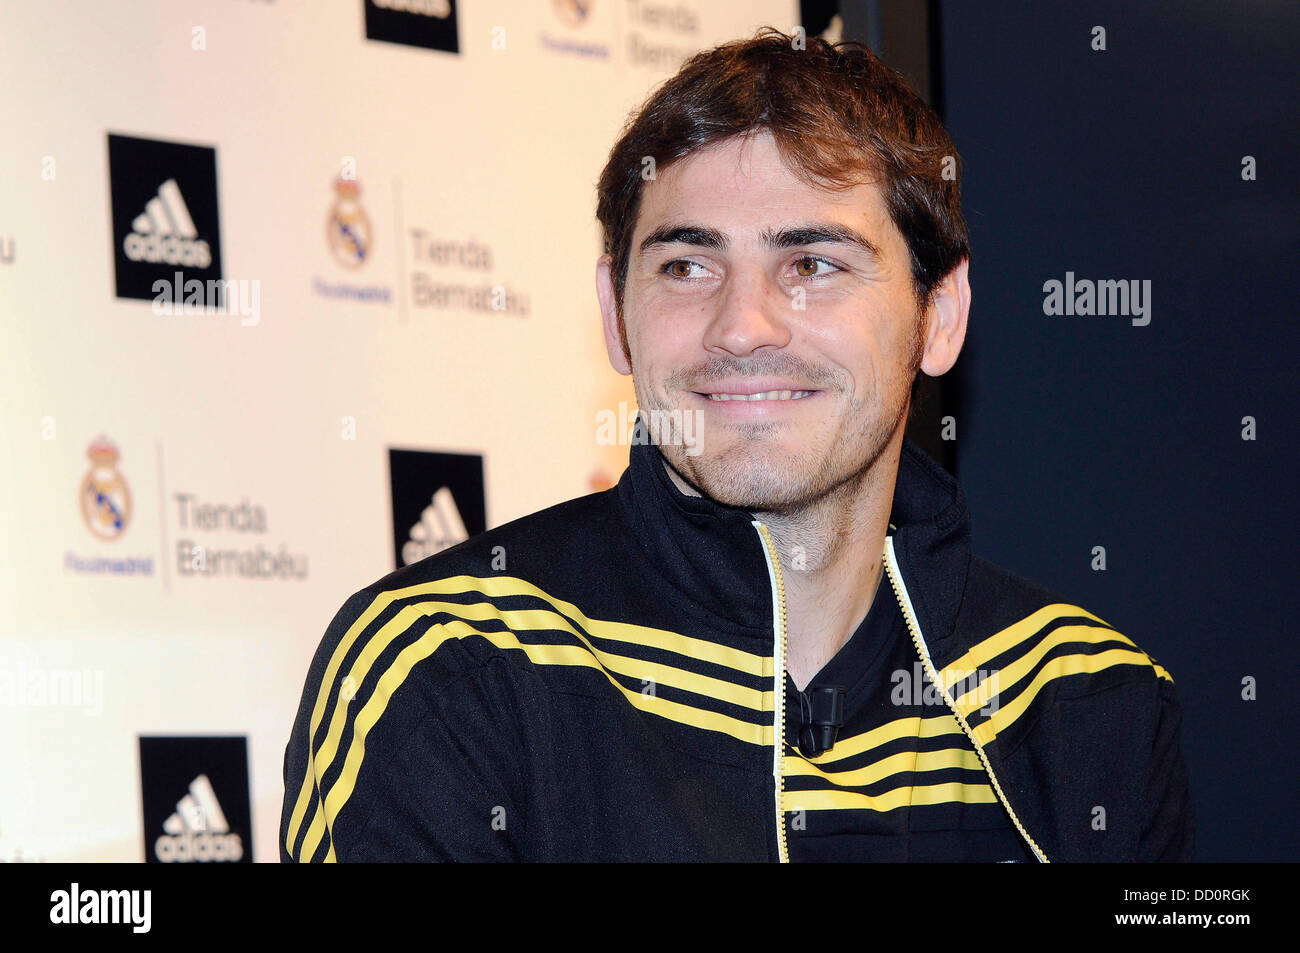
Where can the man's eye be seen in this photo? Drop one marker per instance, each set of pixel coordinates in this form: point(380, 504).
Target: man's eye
point(806, 267)
point(681, 268)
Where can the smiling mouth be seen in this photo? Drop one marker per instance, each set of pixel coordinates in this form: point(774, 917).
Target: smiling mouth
point(766, 395)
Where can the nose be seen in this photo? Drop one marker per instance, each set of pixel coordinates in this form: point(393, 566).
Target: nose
point(752, 312)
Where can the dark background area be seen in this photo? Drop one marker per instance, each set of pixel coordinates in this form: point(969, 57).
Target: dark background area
point(1074, 432)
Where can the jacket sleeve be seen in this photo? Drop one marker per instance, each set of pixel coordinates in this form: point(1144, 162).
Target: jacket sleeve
point(418, 759)
point(1168, 829)
point(448, 792)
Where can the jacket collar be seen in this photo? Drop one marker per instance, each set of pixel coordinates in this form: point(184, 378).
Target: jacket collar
point(931, 526)
point(713, 556)
point(710, 553)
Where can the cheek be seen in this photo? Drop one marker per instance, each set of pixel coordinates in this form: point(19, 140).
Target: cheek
point(672, 322)
point(877, 351)
point(663, 341)
point(850, 349)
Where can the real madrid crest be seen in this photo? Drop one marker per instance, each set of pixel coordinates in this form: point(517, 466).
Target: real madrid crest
point(105, 498)
point(573, 12)
point(348, 229)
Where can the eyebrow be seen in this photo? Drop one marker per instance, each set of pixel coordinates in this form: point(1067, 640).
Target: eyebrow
point(814, 233)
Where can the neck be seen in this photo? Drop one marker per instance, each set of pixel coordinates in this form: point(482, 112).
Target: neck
point(830, 553)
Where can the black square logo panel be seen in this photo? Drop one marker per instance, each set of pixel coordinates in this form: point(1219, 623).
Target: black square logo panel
point(196, 800)
point(164, 199)
point(438, 501)
point(426, 23)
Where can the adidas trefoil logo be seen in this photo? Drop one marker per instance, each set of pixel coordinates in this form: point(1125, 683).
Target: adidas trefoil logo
point(198, 830)
point(440, 528)
point(164, 232)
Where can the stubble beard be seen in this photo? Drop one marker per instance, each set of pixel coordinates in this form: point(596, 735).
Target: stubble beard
point(757, 473)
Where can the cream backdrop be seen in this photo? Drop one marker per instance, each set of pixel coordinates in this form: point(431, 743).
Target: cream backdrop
point(497, 146)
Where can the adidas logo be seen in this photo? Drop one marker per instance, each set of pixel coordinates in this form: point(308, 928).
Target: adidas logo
point(198, 830)
point(164, 232)
point(440, 527)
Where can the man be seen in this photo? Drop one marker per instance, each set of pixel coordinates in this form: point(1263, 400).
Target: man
point(770, 641)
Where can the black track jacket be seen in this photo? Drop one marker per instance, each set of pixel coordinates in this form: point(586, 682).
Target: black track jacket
point(605, 680)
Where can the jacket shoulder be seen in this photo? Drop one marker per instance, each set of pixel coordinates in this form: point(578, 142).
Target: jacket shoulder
point(462, 590)
point(1021, 648)
point(1006, 614)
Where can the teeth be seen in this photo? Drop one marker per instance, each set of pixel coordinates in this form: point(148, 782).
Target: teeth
point(768, 395)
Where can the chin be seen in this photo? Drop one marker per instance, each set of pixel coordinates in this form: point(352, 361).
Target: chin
point(754, 481)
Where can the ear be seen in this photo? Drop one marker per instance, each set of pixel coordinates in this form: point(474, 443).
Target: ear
point(615, 341)
point(946, 321)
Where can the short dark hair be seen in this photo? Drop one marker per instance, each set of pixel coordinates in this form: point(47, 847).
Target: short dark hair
point(839, 117)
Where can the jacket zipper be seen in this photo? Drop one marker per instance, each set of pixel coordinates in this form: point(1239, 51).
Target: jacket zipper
point(905, 603)
point(779, 649)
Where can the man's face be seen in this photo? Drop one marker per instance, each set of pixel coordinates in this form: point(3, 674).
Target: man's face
point(752, 283)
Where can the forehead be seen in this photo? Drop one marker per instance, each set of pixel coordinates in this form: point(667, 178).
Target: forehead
point(742, 185)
